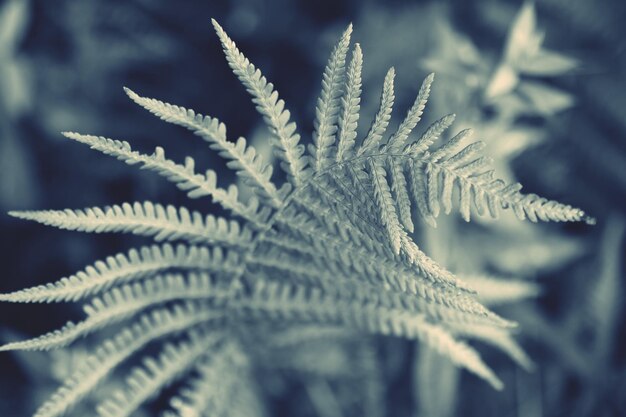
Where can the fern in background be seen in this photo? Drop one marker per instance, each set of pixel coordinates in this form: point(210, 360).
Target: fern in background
point(330, 247)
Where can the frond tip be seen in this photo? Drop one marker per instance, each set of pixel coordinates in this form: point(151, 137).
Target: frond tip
point(328, 105)
point(271, 107)
point(242, 158)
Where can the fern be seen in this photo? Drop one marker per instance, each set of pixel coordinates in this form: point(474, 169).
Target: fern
point(331, 247)
point(123, 268)
point(147, 219)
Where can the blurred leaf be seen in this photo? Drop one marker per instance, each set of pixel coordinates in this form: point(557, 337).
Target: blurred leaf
point(15, 84)
point(493, 291)
point(523, 39)
point(13, 18)
point(544, 99)
point(503, 81)
point(498, 338)
point(506, 142)
point(547, 63)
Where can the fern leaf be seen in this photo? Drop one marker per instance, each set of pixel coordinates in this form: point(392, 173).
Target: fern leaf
point(327, 109)
point(414, 115)
point(148, 380)
point(448, 147)
point(498, 338)
point(271, 107)
point(386, 206)
point(196, 185)
point(381, 120)
point(123, 268)
point(413, 260)
point(273, 300)
point(495, 291)
point(242, 158)
point(417, 182)
point(122, 302)
point(215, 390)
point(460, 353)
point(147, 219)
point(349, 118)
point(362, 261)
point(470, 171)
point(433, 132)
point(150, 326)
point(399, 187)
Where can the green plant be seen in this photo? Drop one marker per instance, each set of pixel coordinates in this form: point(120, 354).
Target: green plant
point(330, 246)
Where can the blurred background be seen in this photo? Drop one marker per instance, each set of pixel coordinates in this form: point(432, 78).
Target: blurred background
point(544, 85)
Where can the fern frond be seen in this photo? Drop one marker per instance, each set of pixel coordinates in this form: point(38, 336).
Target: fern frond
point(214, 390)
point(120, 303)
point(363, 266)
point(149, 327)
point(413, 260)
point(381, 120)
point(327, 109)
point(498, 338)
point(271, 107)
point(147, 219)
point(348, 120)
point(281, 301)
point(196, 185)
point(122, 268)
point(433, 133)
point(469, 171)
point(435, 302)
point(414, 115)
point(348, 191)
point(417, 182)
point(148, 380)
point(329, 248)
point(400, 190)
point(386, 205)
point(494, 291)
point(242, 158)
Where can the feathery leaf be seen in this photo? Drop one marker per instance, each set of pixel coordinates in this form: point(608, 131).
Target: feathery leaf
point(327, 109)
point(271, 107)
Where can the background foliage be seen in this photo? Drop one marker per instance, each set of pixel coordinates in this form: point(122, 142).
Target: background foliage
point(560, 131)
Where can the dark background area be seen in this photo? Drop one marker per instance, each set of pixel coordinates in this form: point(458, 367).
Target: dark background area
point(62, 68)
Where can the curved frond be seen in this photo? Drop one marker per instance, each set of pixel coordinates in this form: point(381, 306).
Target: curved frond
point(196, 185)
point(120, 303)
point(149, 327)
point(281, 301)
point(494, 291)
point(271, 107)
point(498, 338)
point(122, 268)
point(163, 223)
point(216, 389)
point(242, 158)
point(328, 249)
point(146, 381)
point(468, 171)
